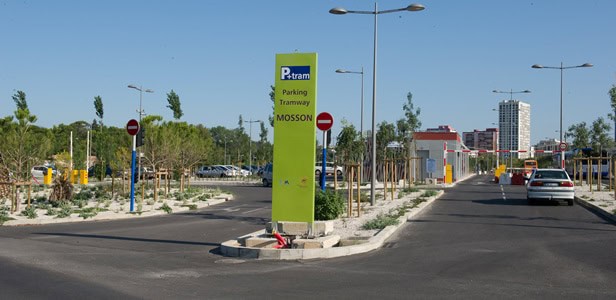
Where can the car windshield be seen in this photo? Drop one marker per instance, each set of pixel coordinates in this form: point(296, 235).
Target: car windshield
point(550, 175)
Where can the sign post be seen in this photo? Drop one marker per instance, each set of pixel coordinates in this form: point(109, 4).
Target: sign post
point(132, 127)
point(324, 123)
point(295, 100)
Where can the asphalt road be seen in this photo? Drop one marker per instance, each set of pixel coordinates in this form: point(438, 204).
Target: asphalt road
point(476, 241)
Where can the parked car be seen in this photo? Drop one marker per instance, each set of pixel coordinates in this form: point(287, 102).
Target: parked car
point(550, 184)
point(329, 169)
point(267, 174)
point(39, 172)
point(213, 171)
point(239, 171)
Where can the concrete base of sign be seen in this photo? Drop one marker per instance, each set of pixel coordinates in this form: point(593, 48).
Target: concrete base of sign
point(319, 228)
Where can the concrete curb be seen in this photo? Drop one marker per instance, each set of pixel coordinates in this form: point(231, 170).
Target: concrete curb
point(232, 248)
point(596, 209)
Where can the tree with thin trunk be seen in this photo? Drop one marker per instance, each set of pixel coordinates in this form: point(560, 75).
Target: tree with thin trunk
point(612, 116)
point(174, 104)
point(20, 147)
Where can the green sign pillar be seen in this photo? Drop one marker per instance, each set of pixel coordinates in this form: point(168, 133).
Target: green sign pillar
point(294, 137)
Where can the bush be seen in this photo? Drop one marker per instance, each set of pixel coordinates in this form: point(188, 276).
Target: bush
point(4, 214)
point(380, 222)
point(30, 212)
point(429, 193)
point(83, 195)
point(328, 205)
point(166, 208)
point(88, 212)
point(65, 210)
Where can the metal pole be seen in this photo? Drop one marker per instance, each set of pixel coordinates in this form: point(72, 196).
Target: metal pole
point(132, 173)
point(562, 153)
point(373, 178)
point(250, 148)
point(324, 166)
point(361, 129)
point(140, 126)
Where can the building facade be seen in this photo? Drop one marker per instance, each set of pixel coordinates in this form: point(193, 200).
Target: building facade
point(514, 127)
point(481, 140)
point(430, 144)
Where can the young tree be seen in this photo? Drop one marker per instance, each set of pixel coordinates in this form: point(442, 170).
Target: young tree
point(580, 134)
point(102, 147)
point(348, 143)
point(98, 107)
point(272, 96)
point(21, 147)
point(612, 116)
point(410, 123)
point(599, 135)
point(174, 104)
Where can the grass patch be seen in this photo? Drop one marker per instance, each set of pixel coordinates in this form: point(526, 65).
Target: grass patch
point(380, 222)
point(190, 206)
point(88, 212)
point(166, 208)
point(30, 212)
point(429, 193)
point(4, 214)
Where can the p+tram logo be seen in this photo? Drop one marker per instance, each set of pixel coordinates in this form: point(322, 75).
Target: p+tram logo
point(295, 73)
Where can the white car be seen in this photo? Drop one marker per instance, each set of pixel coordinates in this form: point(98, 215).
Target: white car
point(40, 171)
point(329, 169)
point(237, 171)
point(550, 184)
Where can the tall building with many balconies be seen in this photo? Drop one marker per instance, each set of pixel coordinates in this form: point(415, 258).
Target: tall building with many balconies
point(514, 127)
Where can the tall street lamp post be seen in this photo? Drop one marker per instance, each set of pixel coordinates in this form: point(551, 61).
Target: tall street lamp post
point(376, 12)
point(250, 144)
point(141, 113)
point(361, 120)
point(511, 92)
point(561, 68)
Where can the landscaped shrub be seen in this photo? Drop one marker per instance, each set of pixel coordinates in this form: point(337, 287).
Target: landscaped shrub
point(4, 214)
point(88, 212)
point(328, 205)
point(166, 208)
point(65, 210)
point(380, 222)
point(429, 193)
point(30, 212)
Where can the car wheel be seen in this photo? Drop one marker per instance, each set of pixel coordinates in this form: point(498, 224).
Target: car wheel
point(339, 173)
point(570, 202)
point(265, 182)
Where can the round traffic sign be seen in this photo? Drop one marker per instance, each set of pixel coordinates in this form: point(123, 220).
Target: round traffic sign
point(132, 127)
point(325, 121)
point(563, 146)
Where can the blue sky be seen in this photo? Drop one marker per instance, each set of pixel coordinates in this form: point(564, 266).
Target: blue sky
point(218, 56)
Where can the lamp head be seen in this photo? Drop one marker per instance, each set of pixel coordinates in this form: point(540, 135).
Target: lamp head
point(415, 7)
point(587, 65)
point(341, 71)
point(130, 86)
point(537, 67)
point(338, 11)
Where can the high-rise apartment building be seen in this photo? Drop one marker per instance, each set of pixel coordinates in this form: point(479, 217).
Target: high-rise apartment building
point(514, 127)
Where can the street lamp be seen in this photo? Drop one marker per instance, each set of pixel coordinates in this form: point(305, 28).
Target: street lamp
point(376, 12)
point(361, 120)
point(250, 144)
point(141, 113)
point(511, 92)
point(561, 68)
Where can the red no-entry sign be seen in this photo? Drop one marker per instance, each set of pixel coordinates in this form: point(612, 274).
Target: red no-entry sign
point(325, 121)
point(132, 127)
